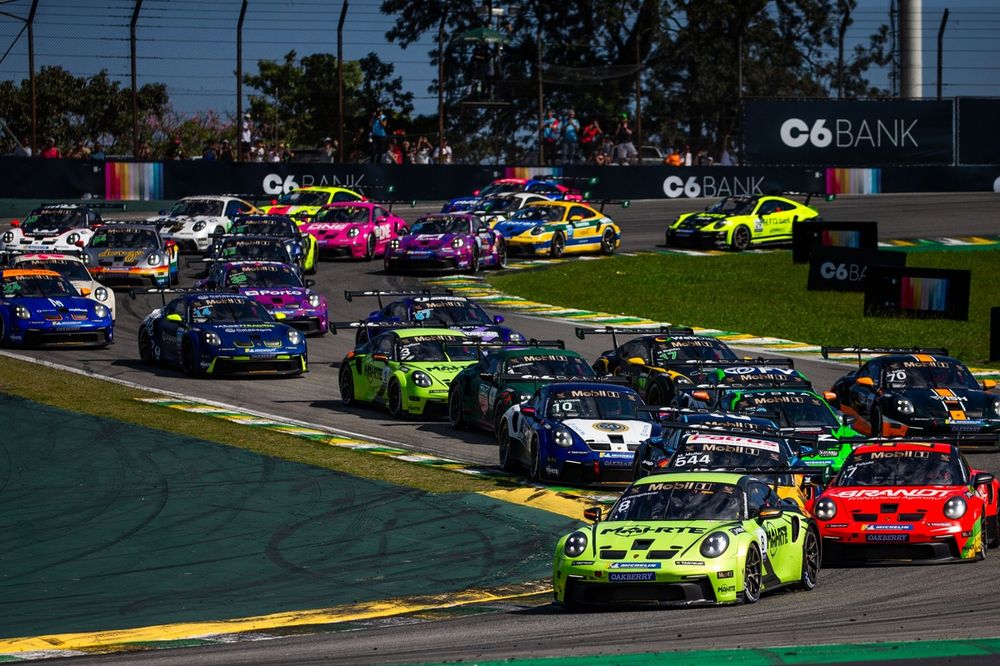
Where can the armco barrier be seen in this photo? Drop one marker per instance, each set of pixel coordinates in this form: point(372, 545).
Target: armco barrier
point(71, 179)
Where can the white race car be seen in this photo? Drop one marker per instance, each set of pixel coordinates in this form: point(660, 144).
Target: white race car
point(73, 269)
point(52, 228)
point(499, 207)
point(194, 222)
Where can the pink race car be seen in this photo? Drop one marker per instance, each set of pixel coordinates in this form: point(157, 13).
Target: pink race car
point(356, 229)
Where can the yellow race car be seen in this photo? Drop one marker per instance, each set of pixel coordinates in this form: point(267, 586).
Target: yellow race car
point(554, 228)
point(303, 203)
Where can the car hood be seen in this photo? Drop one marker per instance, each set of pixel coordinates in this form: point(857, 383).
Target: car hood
point(906, 499)
point(941, 403)
point(426, 241)
point(699, 220)
point(175, 224)
point(610, 431)
point(118, 256)
point(670, 538)
point(460, 204)
point(511, 228)
point(57, 308)
point(278, 297)
point(486, 333)
point(331, 231)
point(249, 335)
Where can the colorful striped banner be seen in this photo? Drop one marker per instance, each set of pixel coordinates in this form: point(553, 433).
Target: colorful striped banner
point(531, 172)
point(133, 181)
point(853, 181)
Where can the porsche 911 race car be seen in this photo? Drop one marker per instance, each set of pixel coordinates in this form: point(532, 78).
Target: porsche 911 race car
point(688, 538)
point(910, 501)
point(301, 246)
point(194, 222)
point(249, 248)
point(556, 188)
point(303, 203)
point(580, 432)
point(127, 253)
point(554, 228)
point(215, 334)
point(71, 267)
point(505, 376)
point(710, 379)
point(741, 222)
point(907, 392)
point(499, 207)
point(658, 360)
point(435, 308)
point(407, 369)
point(40, 308)
point(278, 287)
point(453, 242)
point(63, 228)
point(359, 230)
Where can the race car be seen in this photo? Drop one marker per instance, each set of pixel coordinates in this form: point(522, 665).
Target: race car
point(360, 230)
point(688, 538)
point(436, 308)
point(554, 228)
point(499, 207)
point(406, 369)
point(218, 334)
point(129, 253)
point(63, 228)
point(303, 203)
point(505, 376)
point(581, 432)
point(907, 392)
point(658, 359)
point(908, 501)
point(549, 187)
point(741, 222)
point(194, 222)
point(278, 287)
point(71, 267)
point(41, 308)
point(302, 247)
point(452, 242)
point(710, 379)
point(249, 248)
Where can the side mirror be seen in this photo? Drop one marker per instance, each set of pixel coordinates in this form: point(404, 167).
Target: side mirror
point(989, 384)
point(174, 317)
point(637, 360)
point(701, 395)
point(84, 291)
point(310, 283)
point(982, 479)
point(498, 319)
point(864, 381)
point(79, 243)
point(379, 357)
point(592, 514)
point(829, 395)
point(15, 222)
point(769, 514)
point(848, 419)
point(527, 411)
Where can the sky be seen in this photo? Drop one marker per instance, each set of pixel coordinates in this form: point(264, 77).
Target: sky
point(191, 44)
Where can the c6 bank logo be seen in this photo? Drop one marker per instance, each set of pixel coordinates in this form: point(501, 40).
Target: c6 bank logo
point(693, 187)
point(896, 133)
point(277, 184)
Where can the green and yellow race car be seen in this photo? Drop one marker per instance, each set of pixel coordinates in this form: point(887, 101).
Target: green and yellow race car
point(406, 369)
point(741, 222)
point(687, 538)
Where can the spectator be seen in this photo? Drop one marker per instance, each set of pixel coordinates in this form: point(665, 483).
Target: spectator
point(51, 151)
point(591, 139)
point(550, 134)
point(257, 152)
point(607, 149)
point(443, 154)
point(208, 153)
point(703, 158)
point(407, 150)
point(396, 151)
point(674, 158)
point(246, 135)
point(225, 153)
point(379, 132)
point(600, 158)
point(176, 150)
point(285, 152)
point(570, 137)
point(97, 154)
point(80, 151)
point(273, 153)
point(422, 155)
point(688, 160)
point(329, 149)
point(625, 151)
point(22, 149)
point(726, 158)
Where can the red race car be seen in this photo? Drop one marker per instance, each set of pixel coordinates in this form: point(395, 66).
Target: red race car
point(908, 501)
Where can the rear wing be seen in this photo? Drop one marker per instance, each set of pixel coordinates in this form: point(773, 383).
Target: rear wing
point(349, 295)
point(808, 195)
point(601, 203)
point(179, 290)
point(86, 204)
point(881, 351)
point(614, 331)
point(550, 344)
point(143, 224)
point(967, 441)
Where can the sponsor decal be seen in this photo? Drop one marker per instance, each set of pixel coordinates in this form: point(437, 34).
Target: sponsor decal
point(894, 132)
point(690, 563)
point(876, 455)
point(909, 493)
point(887, 538)
point(776, 538)
point(634, 531)
point(274, 183)
point(595, 393)
point(739, 443)
point(635, 565)
point(836, 525)
point(736, 530)
point(582, 563)
point(693, 187)
point(610, 427)
point(725, 574)
point(887, 527)
point(726, 589)
point(631, 577)
point(939, 524)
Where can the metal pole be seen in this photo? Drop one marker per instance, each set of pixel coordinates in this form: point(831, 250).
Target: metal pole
point(239, 82)
point(638, 98)
point(910, 19)
point(940, 56)
point(841, 34)
point(135, 97)
point(441, 81)
point(541, 105)
point(340, 81)
point(31, 77)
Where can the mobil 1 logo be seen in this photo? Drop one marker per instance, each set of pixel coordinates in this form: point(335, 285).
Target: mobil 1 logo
point(834, 268)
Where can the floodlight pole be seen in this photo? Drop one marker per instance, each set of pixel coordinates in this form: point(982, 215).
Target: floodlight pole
point(239, 82)
point(441, 81)
point(135, 97)
point(940, 51)
point(340, 81)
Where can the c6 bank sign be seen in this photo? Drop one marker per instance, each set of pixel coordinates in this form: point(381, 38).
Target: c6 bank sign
point(849, 132)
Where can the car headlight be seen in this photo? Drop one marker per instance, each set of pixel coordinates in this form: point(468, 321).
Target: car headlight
point(458, 242)
point(294, 337)
point(72, 238)
point(954, 508)
point(8, 237)
point(101, 294)
point(154, 259)
point(825, 508)
point(421, 379)
point(314, 300)
point(564, 438)
point(100, 311)
point(576, 544)
point(198, 226)
point(353, 232)
point(88, 260)
point(996, 407)
point(211, 338)
point(537, 231)
point(516, 337)
point(394, 244)
point(22, 312)
point(904, 406)
point(715, 544)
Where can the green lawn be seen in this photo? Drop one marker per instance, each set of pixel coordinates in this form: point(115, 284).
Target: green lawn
point(761, 294)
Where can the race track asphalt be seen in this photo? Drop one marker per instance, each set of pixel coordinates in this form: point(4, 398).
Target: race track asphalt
point(899, 603)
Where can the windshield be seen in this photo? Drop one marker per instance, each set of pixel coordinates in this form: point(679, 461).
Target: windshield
point(709, 451)
point(787, 410)
point(679, 500)
point(902, 468)
point(68, 268)
point(733, 206)
point(54, 221)
point(548, 365)
point(356, 214)
point(259, 251)
point(497, 204)
point(593, 404)
point(928, 374)
point(304, 198)
point(222, 310)
point(498, 188)
point(440, 225)
point(266, 227)
point(537, 213)
point(195, 207)
point(144, 239)
point(690, 349)
point(262, 276)
point(435, 348)
point(24, 286)
point(451, 313)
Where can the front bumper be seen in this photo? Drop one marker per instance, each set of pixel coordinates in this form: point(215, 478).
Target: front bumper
point(517, 247)
point(975, 435)
point(673, 584)
point(310, 324)
point(67, 336)
point(430, 261)
point(280, 365)
point(922, 543)
point(696, 238)
point(132, 276)
point(355, 248)
point(189, 243)
point(594, 467)
point(419, 401)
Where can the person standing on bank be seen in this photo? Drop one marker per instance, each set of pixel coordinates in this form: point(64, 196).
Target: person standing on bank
point(379, 135)
point(570, 137)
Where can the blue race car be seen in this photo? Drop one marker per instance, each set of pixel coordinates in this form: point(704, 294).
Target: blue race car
point(436, 308)
point(550, 187)
point(40, 308)
point(580, 432)
point(220, 334)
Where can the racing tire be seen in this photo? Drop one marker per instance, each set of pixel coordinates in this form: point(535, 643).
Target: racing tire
point(394, 400)
point(811, 560)
point(507, 461)
point(740, 239)
point(3, 334)
point(658, 395)
point(608, 242)
point(474, 263)
point(346, 382)
point(387, 267)
point(146, 354)
point(370, 248)
point(499, 409)
point(311, 270)
point(753, 576)
point(536, 472)
point(501, 255)
point(188, 364)
point(993, 532)
point(876, 422)
point(558, 245)
point(456, 415)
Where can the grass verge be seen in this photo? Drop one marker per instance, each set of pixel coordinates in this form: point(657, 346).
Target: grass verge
point(760, 294)
point(85, 395)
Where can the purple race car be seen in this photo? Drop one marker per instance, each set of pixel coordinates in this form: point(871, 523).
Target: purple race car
point(276, 286)
point(447, 242)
